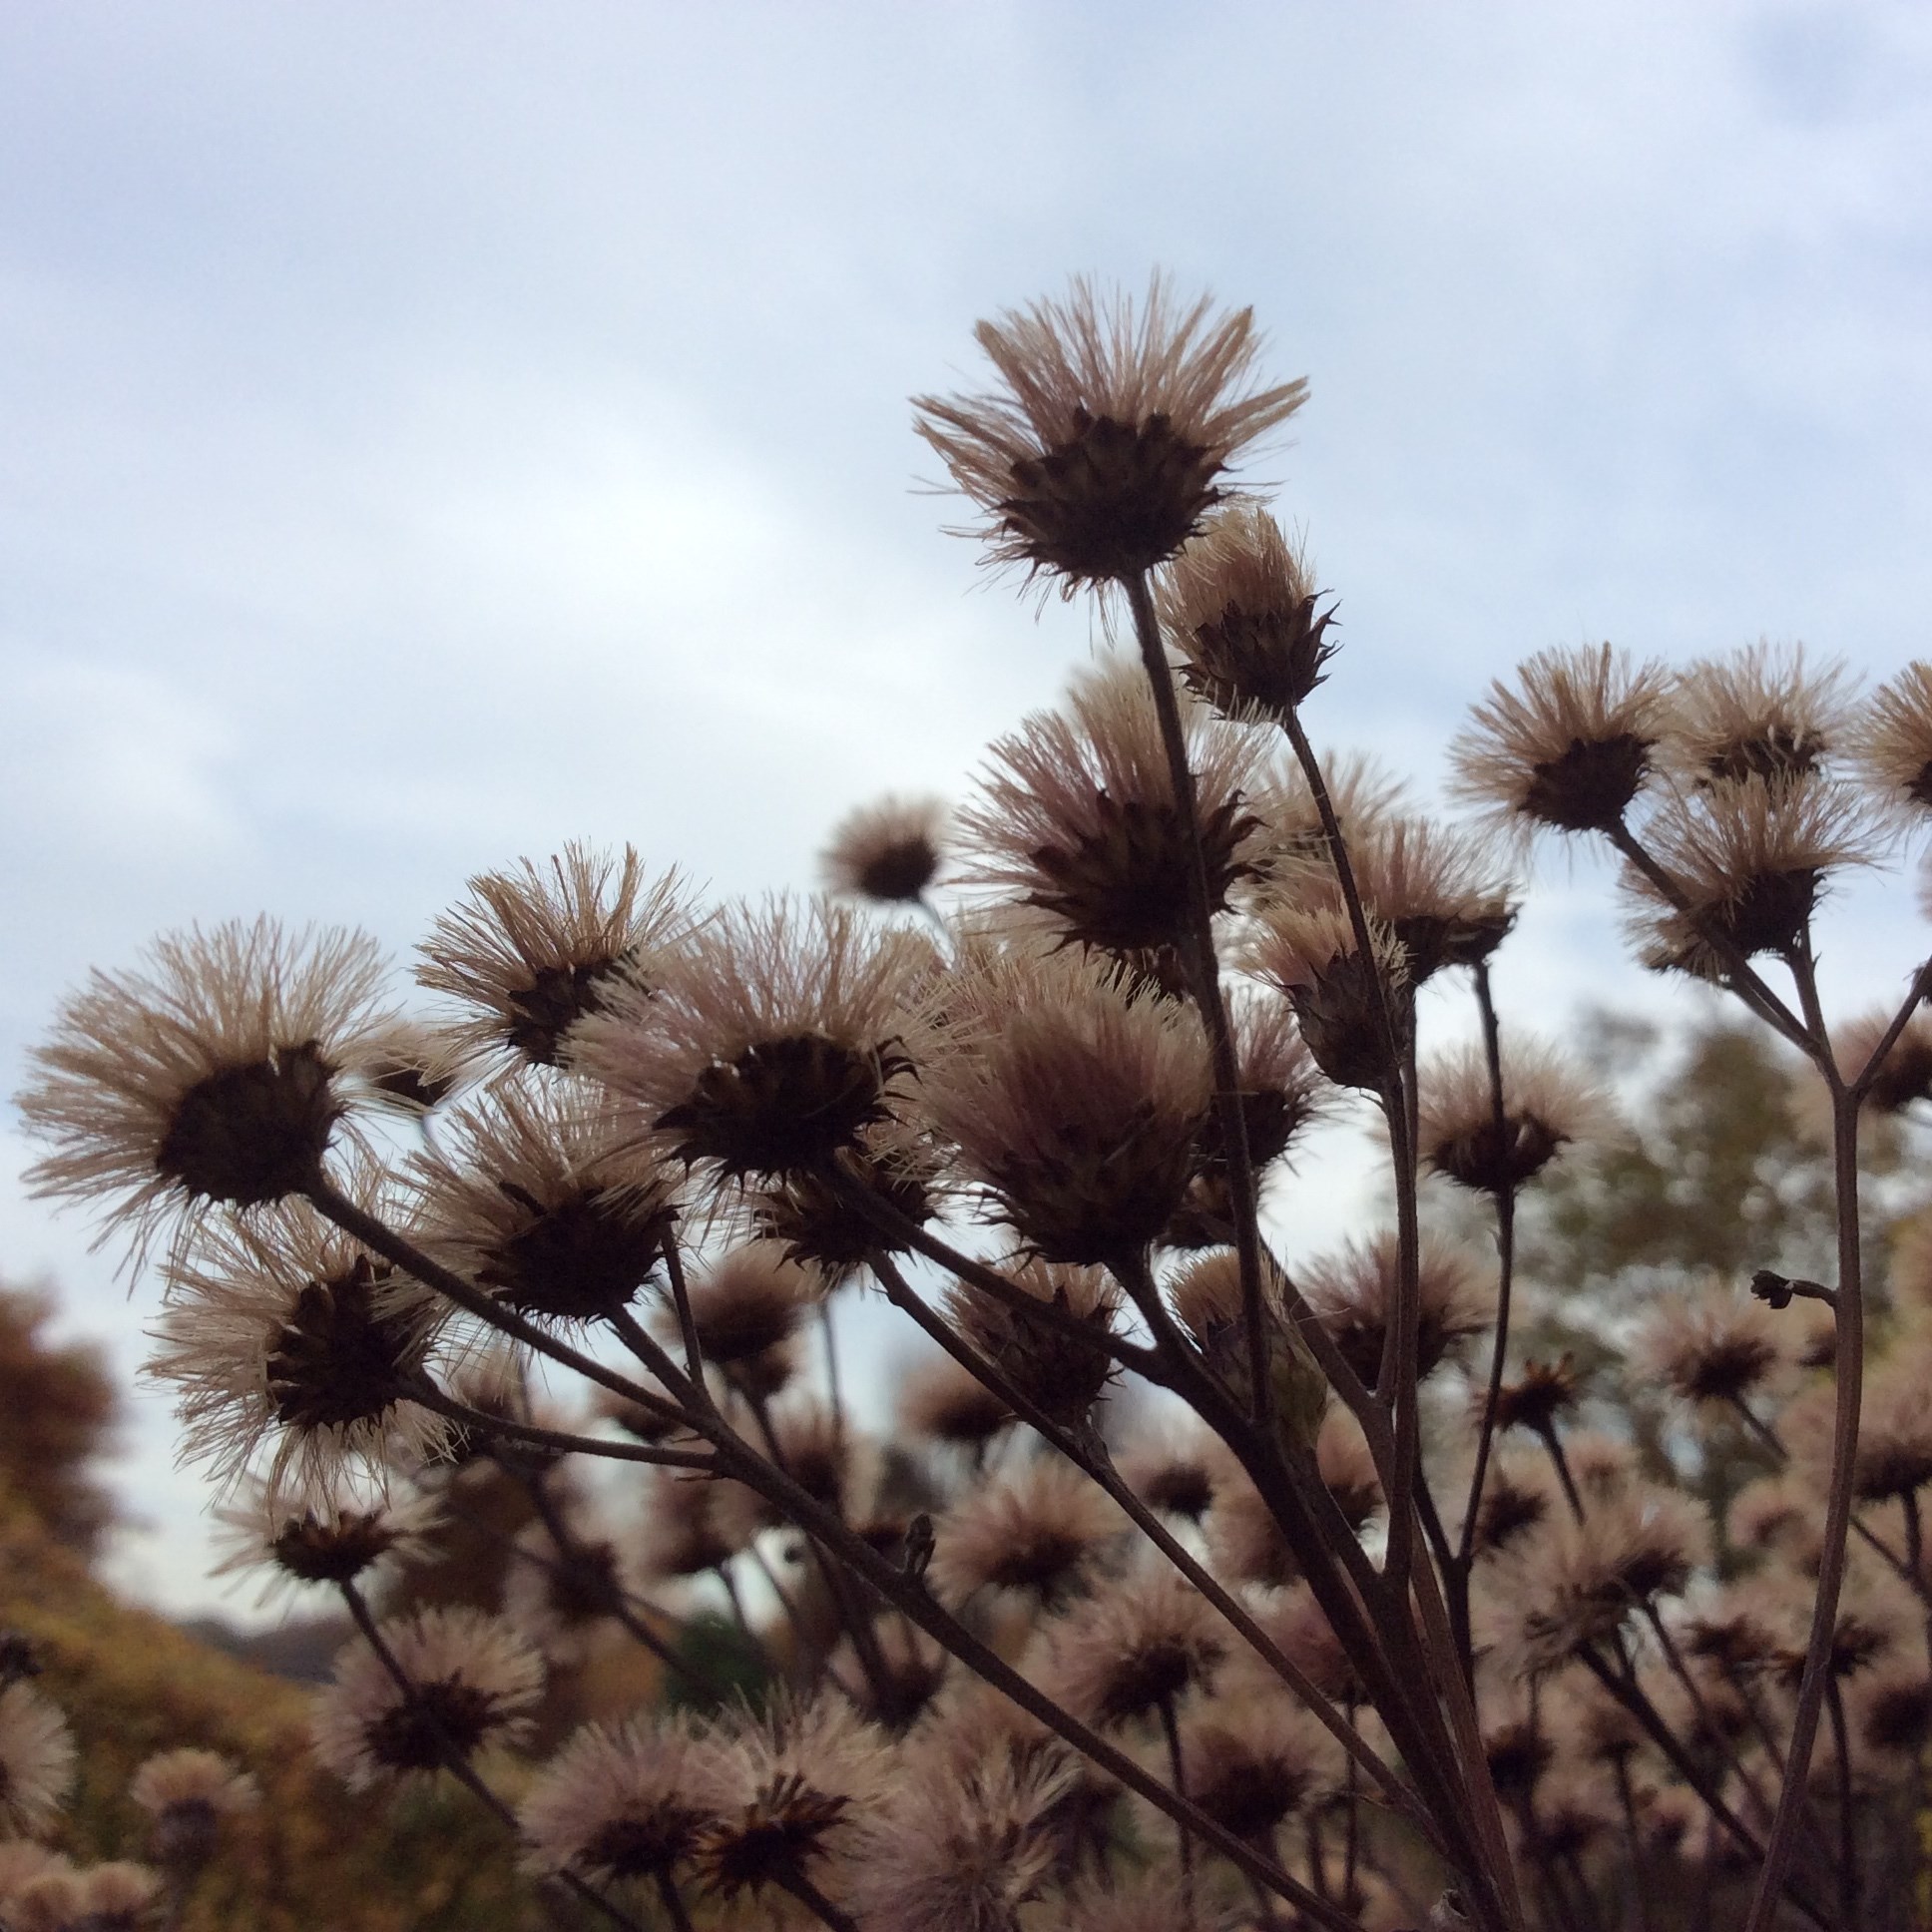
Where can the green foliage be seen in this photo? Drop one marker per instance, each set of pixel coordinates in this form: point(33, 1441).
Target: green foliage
point(723, 1666)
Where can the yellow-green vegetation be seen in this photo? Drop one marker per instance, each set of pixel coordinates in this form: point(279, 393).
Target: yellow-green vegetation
point(313, 1859)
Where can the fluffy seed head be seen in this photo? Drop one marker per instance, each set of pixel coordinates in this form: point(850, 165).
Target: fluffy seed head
point(958, 1850)
point(690, 1525)
point(36, 1759)
point(1570, 747)
point(1061, 1370)
point(621, 1801)
point(1077, 818)
point(212, 1076)
point(188, 1794)
point(308, 1537)
point(942, 1403)
point(1717, 1346)
point(747, 1306)
point(285, 1331)
point(1239, 606)
point(1894, 1456)
point(534, 949)
point(1310, 956)
point(1575, 1585)
point(1748, 861)
point(1761, 712)
point(1354, 1291)
point(1891, 743)
point(473, 1684)
point(768, 1044)
point(792, 1784)
point(1073, 1101)
point(544, 1197)
point(1134, 1646)
point(1102, 449)
point(1547, 1107)
point(1905, 1076)
point(889, 851)
point(1254, 1761)
point(1036, 1532)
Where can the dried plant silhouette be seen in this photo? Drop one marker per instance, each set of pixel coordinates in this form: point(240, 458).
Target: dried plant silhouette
point(1194, 1583)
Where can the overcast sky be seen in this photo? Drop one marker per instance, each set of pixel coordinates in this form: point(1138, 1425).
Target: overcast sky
point(428, 433)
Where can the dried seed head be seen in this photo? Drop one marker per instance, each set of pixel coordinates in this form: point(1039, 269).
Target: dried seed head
point(285, 1331)
point(1280, 1096)
point(1778, 1516)
point(1548, 1108)
point(1354, 1291)
point(119, 1897)
point(473, 1683)
point(1133, 1648)
point(1734, 1633)
point(1058, 1368)
point(1891, 743)
point(24, 1863)
point(690, 1525)
point(952, 1849)
point(1574, 1585)
point(36, 1759)
point(1876, 1615)
point(342, 1534)
point(533, 950)
point(1102, 450)
point(1747, 861)
point(412, 1069)
point(1174, 1475)
point(1292, 839)
point(1712, 1347)
point(768, 1044)
point(1254, 1761)
point(1037, 1531)
point(186, 1793)
point(1239, 606)
point(1435, 889)
point(812, 1219)
point(1247, 1541)
point(568, 1576)
point(889, 851)
point(1299, 1628)
point(1077, 818)
point(621, 1801)
point(1309, 955)
point(544, 1197)
point(1894, 1456)
point(1519, 1496)
point(1758, 714)
point(794, 1783)
point(1073, 1102)
point(746, 1307)
point(942, 1403)
point(1570, 748)
point(1540, 1396)
point(912, 1669)
point(1906, 1073)
point(1893, 1712)
point(212, 1076)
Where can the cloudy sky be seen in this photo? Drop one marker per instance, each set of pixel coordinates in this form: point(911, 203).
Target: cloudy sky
point(429, 432)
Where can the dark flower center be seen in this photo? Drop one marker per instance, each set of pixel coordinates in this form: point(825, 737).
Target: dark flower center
point(332, 1549)
point(1114, 499)
point(784, 1107)
point(433, 1725)
point(339, 1358)
point(554, 1001)
point(1589, 783)
point(579, 1258)
point(253, 1133)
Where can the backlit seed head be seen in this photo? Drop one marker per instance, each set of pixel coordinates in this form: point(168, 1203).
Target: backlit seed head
point(1570, 747)
point(1891, 743)
point(213, 1076)
point(1077, 818)
point(1240, 606)
point(1073, 1102)
point(534, 949)
point(1748, 861)
point(1761, 714)
point(473, 1684)
point(768, 1045)
point(1310, 958)
point(1547, 1107)
point(284, 1331)
point(889, 853)
point(1062, 1366)
point(1105, 446)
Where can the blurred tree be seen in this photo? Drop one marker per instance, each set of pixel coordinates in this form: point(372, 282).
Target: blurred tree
point(57, 1412)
